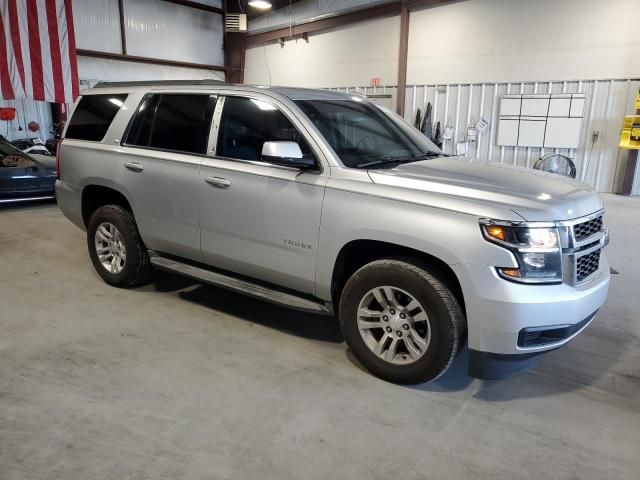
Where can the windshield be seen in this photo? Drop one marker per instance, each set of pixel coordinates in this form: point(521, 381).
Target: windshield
point(364, 134)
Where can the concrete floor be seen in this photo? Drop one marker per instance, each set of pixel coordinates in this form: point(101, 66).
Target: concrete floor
point(179, 380)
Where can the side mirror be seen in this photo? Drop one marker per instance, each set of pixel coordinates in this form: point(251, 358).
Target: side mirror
point(287, 154)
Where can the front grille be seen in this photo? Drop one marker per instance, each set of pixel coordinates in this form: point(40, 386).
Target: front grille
point(586, 229)
point(587, 265)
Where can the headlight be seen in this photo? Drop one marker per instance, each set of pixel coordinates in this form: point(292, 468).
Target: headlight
point(537, 250)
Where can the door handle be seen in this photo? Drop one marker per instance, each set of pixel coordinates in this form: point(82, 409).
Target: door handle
point(218, 182)
point(133, 166)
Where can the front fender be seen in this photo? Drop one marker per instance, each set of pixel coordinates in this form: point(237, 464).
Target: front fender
point(453, 237)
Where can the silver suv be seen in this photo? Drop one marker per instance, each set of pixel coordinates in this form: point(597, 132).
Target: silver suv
point(329, 203)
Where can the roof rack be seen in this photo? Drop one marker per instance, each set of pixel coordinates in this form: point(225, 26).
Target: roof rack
point(152, 83)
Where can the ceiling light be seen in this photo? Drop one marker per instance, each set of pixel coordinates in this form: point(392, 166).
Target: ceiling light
point(260, 4)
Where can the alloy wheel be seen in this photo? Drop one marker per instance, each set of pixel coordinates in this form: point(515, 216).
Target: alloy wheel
point(394, 325)
point(110, 248)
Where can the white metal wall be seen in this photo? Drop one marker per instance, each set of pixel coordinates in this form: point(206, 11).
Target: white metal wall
point(173, 32)
point(461, 104)
point(97, 25)
point(27, 111)
point(153, 29)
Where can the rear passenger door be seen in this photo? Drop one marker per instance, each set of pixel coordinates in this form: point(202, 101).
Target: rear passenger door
point(259, 219)
point(162, 150)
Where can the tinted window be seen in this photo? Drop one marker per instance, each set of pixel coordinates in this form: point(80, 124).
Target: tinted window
point(360, 132)
point(93, 115)
point(140, 129)
point(247, 123)
point(178, 122)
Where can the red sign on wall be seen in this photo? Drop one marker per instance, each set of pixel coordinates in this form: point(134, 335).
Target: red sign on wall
point(376, 82)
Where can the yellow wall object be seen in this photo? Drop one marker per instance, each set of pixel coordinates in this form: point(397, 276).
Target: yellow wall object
point(630, 133)
point(638, 102)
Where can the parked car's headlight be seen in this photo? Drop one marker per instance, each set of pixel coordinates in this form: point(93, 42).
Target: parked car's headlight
point(537, 250)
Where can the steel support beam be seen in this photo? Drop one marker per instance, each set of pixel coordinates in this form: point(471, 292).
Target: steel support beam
point(123, 35)
point(149, 60)
point(402, 59)
point(234, 55)
point(196, 5)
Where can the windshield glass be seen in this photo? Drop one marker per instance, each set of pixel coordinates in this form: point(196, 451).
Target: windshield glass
point(364, 134)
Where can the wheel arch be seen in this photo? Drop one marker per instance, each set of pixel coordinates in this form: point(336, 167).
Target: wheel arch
point(357, 253)
point(95, 196)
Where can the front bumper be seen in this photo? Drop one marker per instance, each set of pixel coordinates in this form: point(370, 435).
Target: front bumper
point(500, 314)
point(496, 366)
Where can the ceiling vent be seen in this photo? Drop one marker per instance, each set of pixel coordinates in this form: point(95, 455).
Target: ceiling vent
point(235, 22)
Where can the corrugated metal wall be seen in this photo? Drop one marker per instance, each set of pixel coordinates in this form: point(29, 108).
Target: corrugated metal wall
point(607, 102)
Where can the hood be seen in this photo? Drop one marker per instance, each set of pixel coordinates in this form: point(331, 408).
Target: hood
point(532, 194)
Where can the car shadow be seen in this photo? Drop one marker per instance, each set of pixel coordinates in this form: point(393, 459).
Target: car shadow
point(570, 368)
point(316, 327)
point(574, 367)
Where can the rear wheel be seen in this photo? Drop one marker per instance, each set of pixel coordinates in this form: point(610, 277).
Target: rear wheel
point(400, 321)
point(116, 249)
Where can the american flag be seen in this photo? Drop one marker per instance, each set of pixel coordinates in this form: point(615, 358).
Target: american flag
point(38, 51)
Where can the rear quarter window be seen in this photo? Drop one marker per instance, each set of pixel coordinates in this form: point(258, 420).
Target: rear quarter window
point(93, 116)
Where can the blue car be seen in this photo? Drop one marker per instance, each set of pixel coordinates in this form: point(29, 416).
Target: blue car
point(25, 177)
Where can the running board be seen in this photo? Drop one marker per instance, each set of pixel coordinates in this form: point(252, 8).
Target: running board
point(242, 286)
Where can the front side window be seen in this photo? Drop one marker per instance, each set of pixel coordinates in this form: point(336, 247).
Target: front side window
point(93, 116)
point(175, 122)
point(248, 123)
point(363, 134)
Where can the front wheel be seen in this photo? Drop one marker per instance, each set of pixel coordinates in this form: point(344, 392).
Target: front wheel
point(116, 249)
point(402, 323)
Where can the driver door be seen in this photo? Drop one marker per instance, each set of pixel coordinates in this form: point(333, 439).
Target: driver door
point(258, 219)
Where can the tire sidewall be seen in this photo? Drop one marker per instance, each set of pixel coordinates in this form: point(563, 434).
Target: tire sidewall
point(118, 217)
point(438, 354)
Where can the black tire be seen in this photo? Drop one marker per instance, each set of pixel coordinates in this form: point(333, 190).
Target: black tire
point(446, 319)
point(137, 267)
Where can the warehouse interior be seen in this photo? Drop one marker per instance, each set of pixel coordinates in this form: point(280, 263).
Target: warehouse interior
point(183, 379)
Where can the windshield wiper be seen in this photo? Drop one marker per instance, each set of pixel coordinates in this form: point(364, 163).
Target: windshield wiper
point(389, 160)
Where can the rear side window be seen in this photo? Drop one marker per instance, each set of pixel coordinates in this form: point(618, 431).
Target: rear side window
point(175, 122)
point(93, 116)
